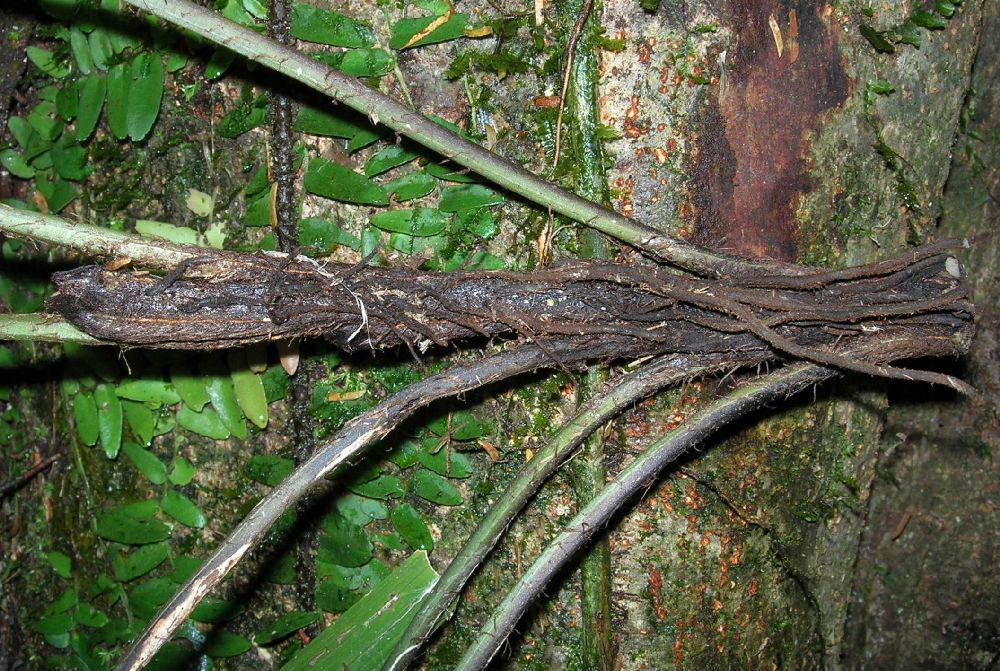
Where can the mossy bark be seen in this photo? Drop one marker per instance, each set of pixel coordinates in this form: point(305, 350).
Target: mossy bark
point(745, 556)
point(926, 588)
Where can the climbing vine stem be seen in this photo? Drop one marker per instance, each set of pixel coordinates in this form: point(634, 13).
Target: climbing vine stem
point(619, 394)
point(623, 488)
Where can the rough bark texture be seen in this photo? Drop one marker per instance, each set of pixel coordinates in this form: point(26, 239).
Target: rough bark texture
point(744, 558)
point(639, 311)
point(927, 588)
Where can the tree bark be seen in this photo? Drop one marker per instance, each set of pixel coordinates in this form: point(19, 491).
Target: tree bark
point(753, 129)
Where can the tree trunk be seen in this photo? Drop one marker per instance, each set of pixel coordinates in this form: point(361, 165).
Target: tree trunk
point(773, 129)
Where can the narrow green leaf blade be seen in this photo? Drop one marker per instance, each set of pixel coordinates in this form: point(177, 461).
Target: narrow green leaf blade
point(249, 388)
point(182, 509)
point(109, 419)
point(220, 390)
point(332, 180)
point(190, 387)
point(147, 463)
point(386, 159)
point(205, 423)
point(269, 469)
point(322, 26)
point(363, 637)
point(85, 412)
point(411, 527)
point(140, 419)
point(148, 391)
point(122, 527)
point(405, 30)
point(455, 198)
point(139, 562)
point(432, 487)
point(145, 94)
point(92, 92)
point(222, 643)
point(419, 222)
point(414, 185)
point(119, 78)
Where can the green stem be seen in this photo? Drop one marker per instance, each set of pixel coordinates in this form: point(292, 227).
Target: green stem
point(381, 109)
point(93, 240)
point(633, 479)
point(589, 473)
point(647, 380)
point(43, 327)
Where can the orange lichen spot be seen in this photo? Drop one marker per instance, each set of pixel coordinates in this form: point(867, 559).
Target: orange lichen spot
point(655, 588)
point(671, 145)
point(633, 111)
point(655, 580)
point(644, 55)
point(752, 591)
point(717, 605)
point(793, 36)
point(661, 127)
point(545, 101)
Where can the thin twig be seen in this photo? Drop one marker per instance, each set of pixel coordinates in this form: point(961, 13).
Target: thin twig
point(18, 482)
point(629, 482)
